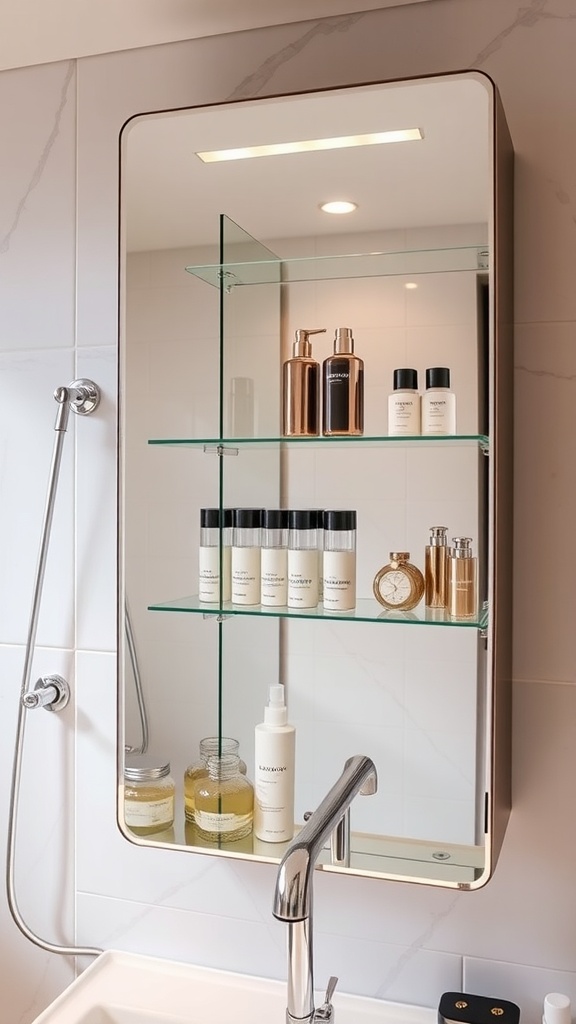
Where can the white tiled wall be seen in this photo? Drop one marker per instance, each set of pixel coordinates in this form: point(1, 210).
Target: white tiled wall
point(514, 938)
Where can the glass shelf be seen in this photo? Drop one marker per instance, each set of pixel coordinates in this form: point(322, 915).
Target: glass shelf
point(367, 610)
point(213, 445)
point(343, 266)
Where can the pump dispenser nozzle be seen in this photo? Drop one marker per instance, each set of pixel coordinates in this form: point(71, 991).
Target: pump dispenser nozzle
point(302, 345)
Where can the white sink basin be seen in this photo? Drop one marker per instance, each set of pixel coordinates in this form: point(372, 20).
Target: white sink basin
point(125, 988)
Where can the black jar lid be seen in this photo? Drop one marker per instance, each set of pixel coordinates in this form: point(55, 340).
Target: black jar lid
point(248, 518)
point(406, 378)
point(340, 519)
point(305, 519)
point(275, 519)
point(438, 377)
point(212, 518)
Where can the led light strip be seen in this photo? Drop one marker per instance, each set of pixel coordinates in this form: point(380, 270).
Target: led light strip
point(309, 145)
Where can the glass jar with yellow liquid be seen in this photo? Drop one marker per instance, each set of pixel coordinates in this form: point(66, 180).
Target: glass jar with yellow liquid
point(210, 746)
point(148, 794)
point(224, 801)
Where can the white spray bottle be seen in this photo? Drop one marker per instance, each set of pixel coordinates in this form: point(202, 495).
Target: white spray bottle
point(274, 747)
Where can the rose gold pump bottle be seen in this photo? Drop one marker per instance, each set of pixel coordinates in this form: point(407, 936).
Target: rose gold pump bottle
point(462, 580)
point(301, 389)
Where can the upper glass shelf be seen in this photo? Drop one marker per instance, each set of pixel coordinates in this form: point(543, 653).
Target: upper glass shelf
point(217, 445)
point(366, 610)
point(343, 266)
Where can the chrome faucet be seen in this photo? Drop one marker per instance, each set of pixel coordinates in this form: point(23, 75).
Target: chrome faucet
point(293, 892)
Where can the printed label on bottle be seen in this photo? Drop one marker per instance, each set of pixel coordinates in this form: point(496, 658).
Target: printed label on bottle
point(246, 575)
point(439, 413)
point(210, 821)
point(339, 580)
point(404, 414)
point(145, 813)
point(303, 579)
point(209, 574)
point(274, 589)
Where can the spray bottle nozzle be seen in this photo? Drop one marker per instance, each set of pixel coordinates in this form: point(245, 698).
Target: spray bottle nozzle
point(275, 712)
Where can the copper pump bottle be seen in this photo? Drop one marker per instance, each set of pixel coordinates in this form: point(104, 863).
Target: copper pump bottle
point(301, 389)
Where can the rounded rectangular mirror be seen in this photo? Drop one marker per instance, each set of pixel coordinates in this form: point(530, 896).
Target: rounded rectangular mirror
point(228, 260)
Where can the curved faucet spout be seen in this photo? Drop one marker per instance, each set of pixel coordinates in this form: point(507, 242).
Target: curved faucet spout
point(293, 891)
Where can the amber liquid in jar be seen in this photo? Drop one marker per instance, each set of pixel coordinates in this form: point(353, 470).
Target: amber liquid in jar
point(224, 801)
point(148, 795)
point(210, 746)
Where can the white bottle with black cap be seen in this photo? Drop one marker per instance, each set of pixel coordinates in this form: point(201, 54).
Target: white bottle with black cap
point(404, 404)
point(339, 560)
point(246, 555)
point(274, 559)
point(214, 554)
point(303, 558)
point(438, 403)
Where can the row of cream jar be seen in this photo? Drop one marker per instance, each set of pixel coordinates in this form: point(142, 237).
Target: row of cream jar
point(278, 557)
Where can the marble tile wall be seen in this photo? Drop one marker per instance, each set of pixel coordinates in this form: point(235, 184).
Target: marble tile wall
point(516, 937)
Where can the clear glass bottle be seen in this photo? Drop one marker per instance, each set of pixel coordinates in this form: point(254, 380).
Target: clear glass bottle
point(246, 555)
point(462, 580)
point(210, 746)
point(224, 801)
point(303, 558)
point(339, 560)
point(148, 794)
point(210, 552)
point(274, 558)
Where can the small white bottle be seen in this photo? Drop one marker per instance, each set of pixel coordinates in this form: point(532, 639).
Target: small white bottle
point(214, 554)
point(245, 568)
point(438, 403)
point(274, 750)
point(274, 560)
point(339, 560)
point(303, 560)
point(404, 405)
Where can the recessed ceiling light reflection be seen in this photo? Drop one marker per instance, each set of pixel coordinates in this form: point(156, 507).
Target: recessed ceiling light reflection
point(338, 206)
point(309, 145)
point(410, 285)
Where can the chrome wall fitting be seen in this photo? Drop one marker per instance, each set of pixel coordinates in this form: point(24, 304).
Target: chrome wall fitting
point(84, 396)
point(50, 692)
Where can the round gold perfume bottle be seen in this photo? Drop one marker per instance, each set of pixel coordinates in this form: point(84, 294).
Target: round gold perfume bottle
point(399, 585)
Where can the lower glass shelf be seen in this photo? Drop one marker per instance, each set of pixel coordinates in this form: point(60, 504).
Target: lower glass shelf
point(366, 610)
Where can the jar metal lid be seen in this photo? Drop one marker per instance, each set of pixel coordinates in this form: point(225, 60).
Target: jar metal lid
point(145, 768)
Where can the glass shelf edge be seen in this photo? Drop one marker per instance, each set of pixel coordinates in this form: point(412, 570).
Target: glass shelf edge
point(366, 611)
point(376, 441)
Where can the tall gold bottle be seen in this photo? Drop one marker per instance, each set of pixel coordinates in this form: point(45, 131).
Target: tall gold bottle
point(436, 567)
point(462, 580)
point(301, 389)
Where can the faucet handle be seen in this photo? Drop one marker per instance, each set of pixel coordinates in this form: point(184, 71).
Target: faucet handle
point(325, 1012)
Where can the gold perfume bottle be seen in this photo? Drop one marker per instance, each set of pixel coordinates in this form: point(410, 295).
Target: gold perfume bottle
point(462, 580)
point(435, 572)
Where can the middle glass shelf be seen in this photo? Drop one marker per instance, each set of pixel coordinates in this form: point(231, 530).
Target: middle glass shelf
point(366, 610)
point(213, 444)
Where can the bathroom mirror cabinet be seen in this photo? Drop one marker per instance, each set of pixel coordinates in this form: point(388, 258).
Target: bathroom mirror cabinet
point(222, 261)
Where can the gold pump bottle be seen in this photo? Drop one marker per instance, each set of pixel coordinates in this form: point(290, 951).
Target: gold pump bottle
point(301, 389)
point(435, 573)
